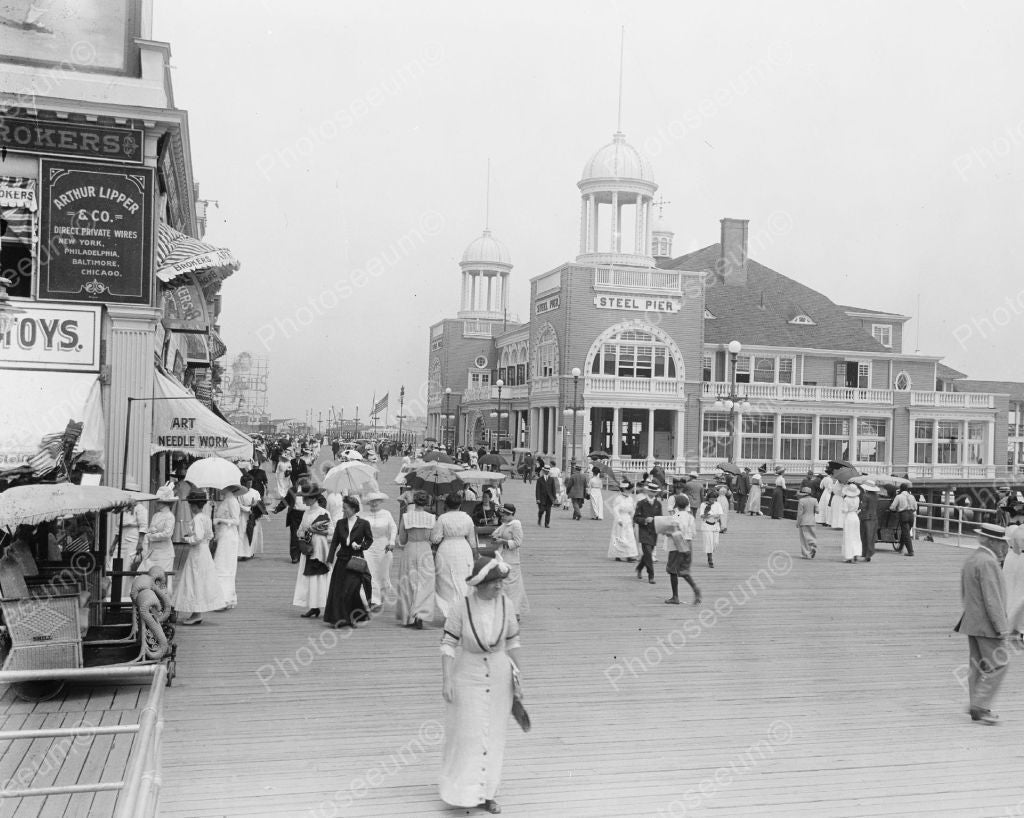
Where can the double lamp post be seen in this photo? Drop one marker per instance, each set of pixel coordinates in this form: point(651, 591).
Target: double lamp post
point(733, 402)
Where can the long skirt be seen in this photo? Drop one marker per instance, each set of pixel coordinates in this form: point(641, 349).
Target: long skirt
point(256, 541)
point(778, 503)
point(623, 542)
point(597, 504)
point(515, 590)
point(416, 578)
point(347, 597)
point(245, 551)
point(379, 559)
point(835, 512)
point(198, 589)
point(1013, 572)
point(475, 725)
point(226, 561)
point(709, 536)
point(310, 592)
point(851, 536)
point(454, 563)
point(821, 512)
point(160, 555)
point(754, 500)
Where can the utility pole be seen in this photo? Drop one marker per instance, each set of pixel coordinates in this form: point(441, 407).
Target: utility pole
point(319, 423)
point(401, 414)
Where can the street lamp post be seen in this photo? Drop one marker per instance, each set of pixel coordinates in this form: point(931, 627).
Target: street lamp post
point(734, 402)
point(575, 411)
point(447, 397)
point(499, 383)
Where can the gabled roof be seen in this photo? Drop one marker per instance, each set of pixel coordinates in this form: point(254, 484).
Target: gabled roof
point(947, 373)
point(892, 316)
point(1014, 389)
point(740, 316)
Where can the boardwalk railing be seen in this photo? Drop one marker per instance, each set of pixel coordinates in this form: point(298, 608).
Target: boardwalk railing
point(139, 792)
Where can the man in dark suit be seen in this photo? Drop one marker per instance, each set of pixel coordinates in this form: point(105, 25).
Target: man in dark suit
point(576, 488)
point(259, 479)
point(694, 489)
point(546, 492)
point(292, 521)
point(742, 490)
point(983, 591)
point(868, 519)
point(643, 518)
point(299, 468)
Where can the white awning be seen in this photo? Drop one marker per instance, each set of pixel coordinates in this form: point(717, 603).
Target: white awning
point(35, 408)
point(182, 424)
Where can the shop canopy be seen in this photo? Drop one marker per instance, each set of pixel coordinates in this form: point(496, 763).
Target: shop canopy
point(182, 424)
point(35, 410)
point(177, 254)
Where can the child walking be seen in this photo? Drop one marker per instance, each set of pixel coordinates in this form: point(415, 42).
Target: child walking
point(680, 555)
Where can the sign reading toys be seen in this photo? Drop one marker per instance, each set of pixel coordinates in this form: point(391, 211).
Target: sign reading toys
point(96, 233)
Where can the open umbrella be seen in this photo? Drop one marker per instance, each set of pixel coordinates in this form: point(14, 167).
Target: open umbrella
point(881, 480)
point(729, 468)
point(29, 505)
point(351, 478)
point(845, 474)
point(834, 465)
point(435, 478)
point(213, 473)
point(599, 455)
point(492, 460)
point(351, 454)
point(436, 455)
point(477, 476)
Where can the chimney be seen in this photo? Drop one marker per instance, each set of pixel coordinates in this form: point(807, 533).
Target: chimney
point(734, 252)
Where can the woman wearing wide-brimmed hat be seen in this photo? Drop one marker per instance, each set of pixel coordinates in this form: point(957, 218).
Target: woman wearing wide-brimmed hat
point(850, 503)
point(348, 595)
point(709, 524)
point(312, 580)
point(779, 494)
point(159, 548)
point(479, 648)
point(623, 540)
point(595, 488)
point(415, 601)
point(226, 514)
point(754, 496)
point(380, 555)
point(509, 538)
point(198, 590)
point(455, 536)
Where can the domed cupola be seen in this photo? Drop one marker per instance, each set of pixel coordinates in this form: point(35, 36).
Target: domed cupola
point(618, 180)
point(661, 237)
point(486, 265)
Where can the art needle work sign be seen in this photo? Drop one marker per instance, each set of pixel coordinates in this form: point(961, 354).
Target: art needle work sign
point(96, 242)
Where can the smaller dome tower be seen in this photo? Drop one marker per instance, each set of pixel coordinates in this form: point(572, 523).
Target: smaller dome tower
point(486, 265)
point(661, 236)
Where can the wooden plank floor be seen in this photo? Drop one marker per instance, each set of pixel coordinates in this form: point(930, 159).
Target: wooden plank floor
point(809, 688)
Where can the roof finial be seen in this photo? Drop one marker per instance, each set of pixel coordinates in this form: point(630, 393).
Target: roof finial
point(622, 50)
point(661, 205)
point(487, 205)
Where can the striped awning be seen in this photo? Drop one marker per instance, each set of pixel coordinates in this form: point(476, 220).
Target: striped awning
point(18, 206)
point(177, 254)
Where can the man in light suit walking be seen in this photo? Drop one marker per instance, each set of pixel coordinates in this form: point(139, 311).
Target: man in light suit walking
point(984, 621)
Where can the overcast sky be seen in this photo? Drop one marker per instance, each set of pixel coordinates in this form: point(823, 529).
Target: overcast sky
point(876, 147)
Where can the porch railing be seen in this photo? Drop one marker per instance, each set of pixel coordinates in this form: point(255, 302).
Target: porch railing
point(789, 392)
point(138, 793)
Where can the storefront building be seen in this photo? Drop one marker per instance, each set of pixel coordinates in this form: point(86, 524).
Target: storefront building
point(97, 196)
point(631, 347)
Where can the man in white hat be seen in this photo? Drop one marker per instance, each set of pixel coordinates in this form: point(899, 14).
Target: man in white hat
point(984, 621)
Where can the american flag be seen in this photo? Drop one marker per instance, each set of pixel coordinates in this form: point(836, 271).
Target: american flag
point(381, 405)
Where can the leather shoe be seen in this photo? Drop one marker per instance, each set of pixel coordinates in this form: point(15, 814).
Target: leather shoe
point(418, 624)
point(492, 806)
point(312, 612)
point(984, 716)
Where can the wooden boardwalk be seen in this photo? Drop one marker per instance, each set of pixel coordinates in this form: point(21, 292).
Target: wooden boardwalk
point(800, 688)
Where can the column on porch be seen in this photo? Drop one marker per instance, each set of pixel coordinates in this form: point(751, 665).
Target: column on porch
point(650, 437)
point(680, 448)
point(616, 428)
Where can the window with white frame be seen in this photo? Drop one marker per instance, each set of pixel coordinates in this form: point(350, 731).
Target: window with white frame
point(924, 434)
point(764, 369)
point(949, 442)
point(707, 367)
point(796, 432)
point(759, 437)
point(853, 374)
point(742, 369)
point(902, 382)
point(547, 353)
point(716, 435)
point(883, 334)
point(787, 370)
point(977, 448)
point(871, 439)
point(833, 438)
point(634, 354)
point(479, 379)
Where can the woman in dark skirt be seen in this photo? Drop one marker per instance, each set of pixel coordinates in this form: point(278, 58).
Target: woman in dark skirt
point(352, 536)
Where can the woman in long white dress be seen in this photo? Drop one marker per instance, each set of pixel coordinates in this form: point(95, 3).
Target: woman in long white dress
point(198, 589)
point(379, 556)
point(754, 497)
point(479, 649)
point(836, 512)
point(595, 488)
point(311, 589)
point(623, 540)
point(821, 513)
point(455, 536)
point(509, 536)
point(709, 523)
point(158, 549)
point(226, 512)
point(1013, 573)
point(416, 576)
point(246, 500)
point(281, 472)
point(850, 505)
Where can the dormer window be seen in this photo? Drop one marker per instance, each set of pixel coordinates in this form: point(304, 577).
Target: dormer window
point(883, 334)
point(802, 320)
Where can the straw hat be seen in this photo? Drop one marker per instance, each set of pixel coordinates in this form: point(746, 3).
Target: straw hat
point(870, 485)
point(375, 495)
point(851, 490)
point(507, 508)
point(806, 490)
point(165, 494)
point(307, 488)
point(991, 531)
point(487, 569)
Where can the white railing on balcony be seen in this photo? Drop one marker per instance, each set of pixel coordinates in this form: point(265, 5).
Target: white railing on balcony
point(544, 385)
point(786, 392)
point(633, 386)
point(475, 393)
point(512, 392)
point(958, 400)
point(550, 281)
point(953, 470)
point(667, 281)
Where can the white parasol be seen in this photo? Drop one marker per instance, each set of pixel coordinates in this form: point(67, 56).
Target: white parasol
point(213, 473)
point(351, 478)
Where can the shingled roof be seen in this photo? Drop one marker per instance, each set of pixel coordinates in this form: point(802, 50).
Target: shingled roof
point(759, 313)
point(1014, 389)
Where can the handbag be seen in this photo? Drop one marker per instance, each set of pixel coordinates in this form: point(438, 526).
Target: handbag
point(315, 567)
point(358, 564)
point(518, 711)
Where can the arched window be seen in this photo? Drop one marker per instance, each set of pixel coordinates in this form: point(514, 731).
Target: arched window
point(547, 353)
point(634, 353)
point(434, 390)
